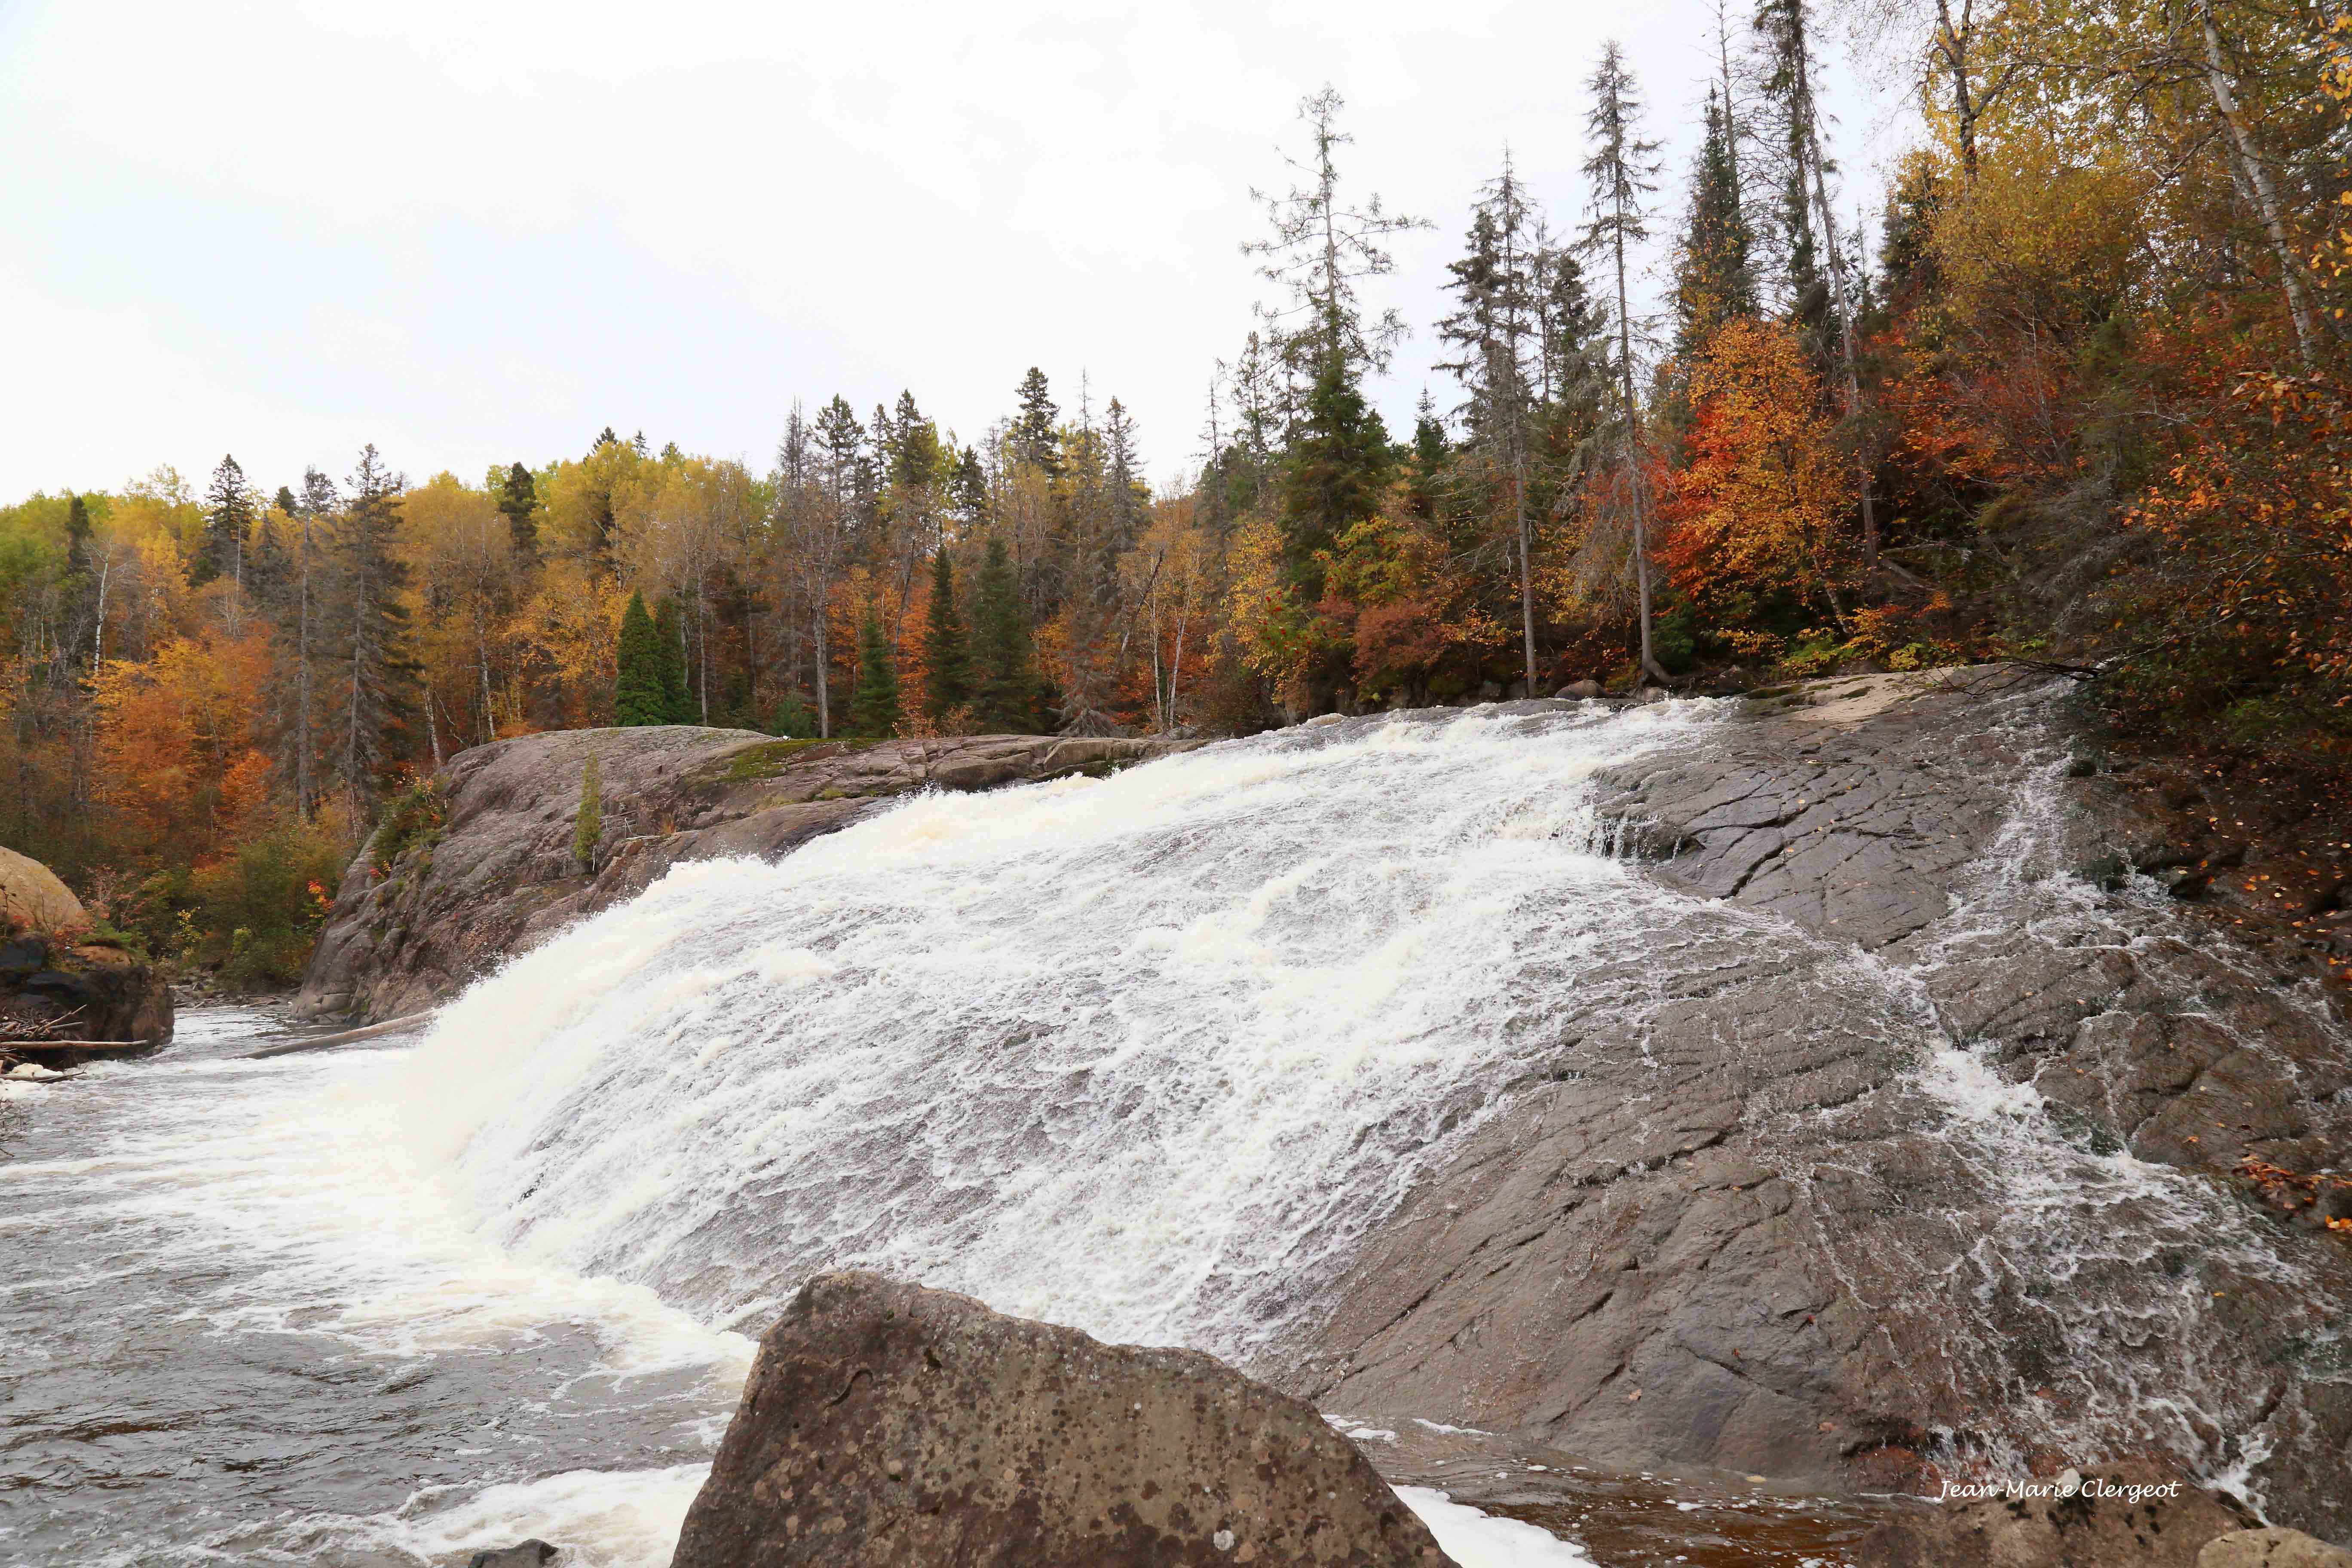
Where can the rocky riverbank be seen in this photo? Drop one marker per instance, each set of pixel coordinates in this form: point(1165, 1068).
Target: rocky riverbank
point(1927, 1137)
point(59, 984)
point(500, 872)
point(1749, 1222)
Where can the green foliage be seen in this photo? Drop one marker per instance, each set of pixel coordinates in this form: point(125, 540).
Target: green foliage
point(874, 705)
point(753, 763)
point(519, 501)
point(257, 912)
point(638, 696)
point(588, 822)
point(669, 636)
point(793, 718)
point(1334, 474)
point(1005, 674)
point(414, 818)
point(947, 656)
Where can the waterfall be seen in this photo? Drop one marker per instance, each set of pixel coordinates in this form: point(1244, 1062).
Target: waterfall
point(1146, 1055)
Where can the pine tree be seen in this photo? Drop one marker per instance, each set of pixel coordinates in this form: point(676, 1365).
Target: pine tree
point(229, 521)
point(1623, 169)
point(76, 534)
point(301, 637)
point(874, 705)
point(637, 698)
point(1499, 331)
point(970, 489)
point(1005, 675)
point(669, 632)
point(372, 692)
point(1340, 459)
point(1035, 436)
point(1713, 279)
point(947, 656)
point(519, 499)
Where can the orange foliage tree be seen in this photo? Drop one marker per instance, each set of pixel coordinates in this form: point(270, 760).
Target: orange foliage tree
point(181, 744)
point(1759, 507)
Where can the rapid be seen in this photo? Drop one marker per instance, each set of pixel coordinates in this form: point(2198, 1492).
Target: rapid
point(1150, 1055)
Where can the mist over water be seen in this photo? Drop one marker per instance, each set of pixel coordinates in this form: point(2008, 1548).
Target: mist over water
point(1148, 1055)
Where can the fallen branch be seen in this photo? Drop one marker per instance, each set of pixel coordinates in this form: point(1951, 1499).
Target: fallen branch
point(390, 1025)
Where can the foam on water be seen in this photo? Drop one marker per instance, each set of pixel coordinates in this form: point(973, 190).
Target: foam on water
point(1146, 1055)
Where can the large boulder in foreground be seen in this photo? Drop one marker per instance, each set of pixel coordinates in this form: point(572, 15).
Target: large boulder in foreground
point(887, 1425)
point(33, 899)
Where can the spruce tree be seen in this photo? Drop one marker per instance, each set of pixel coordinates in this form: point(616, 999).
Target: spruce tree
point(1623, 169)
point(518, 499)
point(669, 631)
point(374, 691)
point(228, 520)
point(1035, 436)
point(947, 656)
point(1004, 679)
point(874, 705)
point(1714, 280)
point(638, 696)
point(1339, 460)
point(76, 534)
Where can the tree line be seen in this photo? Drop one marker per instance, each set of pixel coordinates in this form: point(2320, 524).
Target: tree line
point(2075, 396)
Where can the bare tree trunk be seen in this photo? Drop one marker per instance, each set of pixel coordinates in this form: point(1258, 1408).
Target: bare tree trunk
point(1845, 319)
point(2257, 176)
point(824, 698)
point(1650, 665)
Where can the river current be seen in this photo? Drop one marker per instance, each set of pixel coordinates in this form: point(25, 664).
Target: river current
point(1149, 1056)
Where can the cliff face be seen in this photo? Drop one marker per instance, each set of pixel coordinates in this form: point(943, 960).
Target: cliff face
point(500, 874)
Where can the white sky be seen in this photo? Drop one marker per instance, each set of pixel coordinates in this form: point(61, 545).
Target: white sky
point(476, 232)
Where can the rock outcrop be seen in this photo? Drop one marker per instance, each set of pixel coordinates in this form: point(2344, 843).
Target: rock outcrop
point(2107, 1520)
point(57, 984)
point(33, 899)
point(2272, 1548)
point(500, 875)
point(886, 1426)
point(1863, 1174)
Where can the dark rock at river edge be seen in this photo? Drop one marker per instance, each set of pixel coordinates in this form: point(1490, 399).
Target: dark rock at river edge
point(1742, 1218)
point(891, 1426)
point(57, 988)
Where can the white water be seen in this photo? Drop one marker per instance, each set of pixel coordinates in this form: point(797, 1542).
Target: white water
point(1149, 1056)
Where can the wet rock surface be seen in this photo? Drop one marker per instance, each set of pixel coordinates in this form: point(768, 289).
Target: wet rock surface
point(887, 1425)
point(502, 875)
point(2272, 1548)
point(1912, 1153)
point(2100, 1525)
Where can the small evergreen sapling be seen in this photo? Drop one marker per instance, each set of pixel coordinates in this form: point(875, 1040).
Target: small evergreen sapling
point(588, 827)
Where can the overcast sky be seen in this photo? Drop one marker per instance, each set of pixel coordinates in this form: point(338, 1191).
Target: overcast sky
point(475, 232)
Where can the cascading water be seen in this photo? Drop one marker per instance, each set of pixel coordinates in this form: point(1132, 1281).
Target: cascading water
point(1145, 1055)
point(1153, 1055)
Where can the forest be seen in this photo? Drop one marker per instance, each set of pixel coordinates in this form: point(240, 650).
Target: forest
point(2074, 394)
